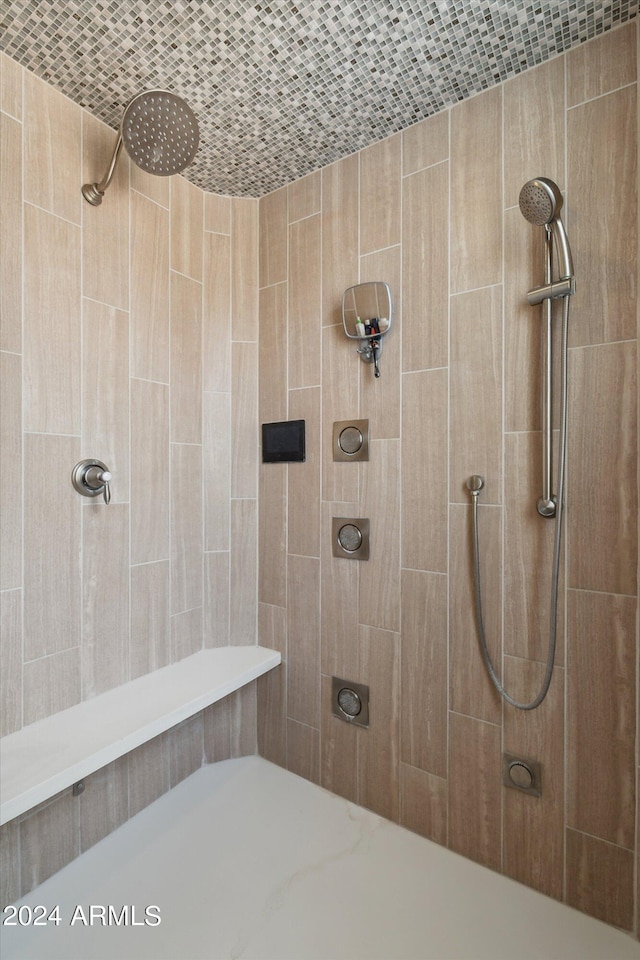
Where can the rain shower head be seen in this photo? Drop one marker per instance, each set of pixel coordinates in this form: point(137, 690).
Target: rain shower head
point(540, 204)
point(160, 134)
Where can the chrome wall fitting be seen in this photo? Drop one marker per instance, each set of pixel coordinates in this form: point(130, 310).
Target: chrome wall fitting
point(521, 774)
point(351, 440)
point(350, 537)
point(350, 701)
point(92, 478)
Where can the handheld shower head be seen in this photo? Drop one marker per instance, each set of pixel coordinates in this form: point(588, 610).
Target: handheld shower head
point(540, 203)
point(160, 134)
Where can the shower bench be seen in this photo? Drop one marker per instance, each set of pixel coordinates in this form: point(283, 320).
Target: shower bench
point(58, 751)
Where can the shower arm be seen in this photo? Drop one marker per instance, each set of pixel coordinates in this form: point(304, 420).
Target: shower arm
point(93, 192)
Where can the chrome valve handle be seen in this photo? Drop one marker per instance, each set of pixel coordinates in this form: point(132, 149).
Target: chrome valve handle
point(91, 478)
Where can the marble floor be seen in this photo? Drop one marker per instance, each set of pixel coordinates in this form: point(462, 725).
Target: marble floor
point(245, 860)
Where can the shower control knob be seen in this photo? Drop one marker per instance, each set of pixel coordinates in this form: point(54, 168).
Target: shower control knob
point(91, 478)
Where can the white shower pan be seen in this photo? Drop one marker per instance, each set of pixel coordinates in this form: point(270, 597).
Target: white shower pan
point(246, 860)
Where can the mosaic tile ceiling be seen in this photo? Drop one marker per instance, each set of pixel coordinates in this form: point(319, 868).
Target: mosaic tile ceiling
point(282, 87)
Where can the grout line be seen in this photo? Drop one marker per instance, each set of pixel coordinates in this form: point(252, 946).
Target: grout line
point(36, 206)
point(429, 166)
point(601, 96)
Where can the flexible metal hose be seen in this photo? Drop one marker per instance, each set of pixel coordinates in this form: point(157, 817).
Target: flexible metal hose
point(553, 612)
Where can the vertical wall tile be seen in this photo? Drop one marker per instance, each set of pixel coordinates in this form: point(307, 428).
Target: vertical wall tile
point(149, 185)
point(187, 213)
point(476, 392)
point(244, 420)
point(380, 194)
point(216, 449)
point(528, 555)
point(273, 237)
point(476, 191)
point(244, 268)
point(149, 646)
point(186, 633)
point(423, 803)
point(243, 715)
point(217, 742)
point(379, 754)
point(339, 600)
point(339, 749)
point(185, 747)
point(148, 774)
point(340, 205)
point(303, 620)
point(425, 270)
point(273, 534)
point(52, 608)
point(533, 826)
point(273, 351)
point(51, 684)
point(105, 626)
point(339, 402)
point(217, 213)
point(186, 360)
point(216, 318)
point(272, 732)
point(10, 662)
point(150, 471)
point(305, 321)
point(602, 716)
point(380, 582)
point(10, 853)
point(303, 750)
point(424, 671)
point(524, 259)
point(303, 496)
point(105, 394)
point(304, 196)
point(471, 691)
point(105, 229)
point(244, 572)
point(11, 234)
point(51, 323)
point(272, 628)
point(383, 395)
point(603, 191)
point(149, 289)
point(104, 805)
point(11, 470)
point(534, 128)
point(474, 790)
point(186, 527)
point(425, 143)
point(52, 133)
point(603, 542)
point(600, 879)
point(49, 839)
point(216, 599)
point(10, 96)
point(602, 65)
point(425, 496)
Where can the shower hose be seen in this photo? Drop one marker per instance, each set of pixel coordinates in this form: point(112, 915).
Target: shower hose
point(553, 612)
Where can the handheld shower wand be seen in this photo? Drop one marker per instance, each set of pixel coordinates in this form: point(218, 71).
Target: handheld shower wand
point(540, 204)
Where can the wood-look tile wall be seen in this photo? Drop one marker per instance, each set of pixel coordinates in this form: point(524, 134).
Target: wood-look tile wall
point(128, 333)
point(434, 211)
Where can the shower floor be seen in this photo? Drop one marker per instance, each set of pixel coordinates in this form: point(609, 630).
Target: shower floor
point(245, 860)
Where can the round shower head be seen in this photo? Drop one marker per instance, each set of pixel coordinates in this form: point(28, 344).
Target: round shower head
point(540, 201)
point(160, 132)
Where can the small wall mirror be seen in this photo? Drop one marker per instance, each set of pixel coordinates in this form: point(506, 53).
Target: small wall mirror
point(366, 310)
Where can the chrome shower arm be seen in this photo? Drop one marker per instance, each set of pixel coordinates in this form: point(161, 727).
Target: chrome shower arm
point(94, 192)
